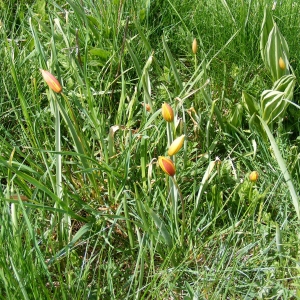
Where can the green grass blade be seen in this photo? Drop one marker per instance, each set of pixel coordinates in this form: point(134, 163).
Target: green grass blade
point(283, 168)
point(172, 63)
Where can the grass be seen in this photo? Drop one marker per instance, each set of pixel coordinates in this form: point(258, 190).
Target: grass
point(106, 222)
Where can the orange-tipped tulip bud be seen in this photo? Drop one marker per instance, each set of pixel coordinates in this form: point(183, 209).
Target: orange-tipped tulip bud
point(52, 82)
point(167, 165)
point(167, 112)
point(281, 63)
point(176, 145)
point(147, 106)
point(253, 176)
point(194, 46)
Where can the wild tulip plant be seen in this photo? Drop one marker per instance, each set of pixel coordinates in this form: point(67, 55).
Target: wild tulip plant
point(168, 166)
point(56, 87)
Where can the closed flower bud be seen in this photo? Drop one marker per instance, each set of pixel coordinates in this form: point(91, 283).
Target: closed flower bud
point(281, 63)
point(194, 46)
point(176, 145)
point(52, 82)
point(147, 106)
point(167, 112)
point(253, 176)
point(167, 165)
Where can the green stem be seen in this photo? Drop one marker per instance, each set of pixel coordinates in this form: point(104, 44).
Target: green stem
point(173, 194)
point(182, 208)
point(251, 192)
point(128, 224)
point(64, 222)
point(58, 150)
point(13, 209)
point(169, 134)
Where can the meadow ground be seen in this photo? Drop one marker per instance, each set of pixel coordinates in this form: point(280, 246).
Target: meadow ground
point(92, 205)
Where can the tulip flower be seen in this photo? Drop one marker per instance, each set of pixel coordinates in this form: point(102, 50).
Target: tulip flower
point(194, 46)
point(281, 63)
point(167, 165)
point(176, 145)
point(52, 82)
point(167, 112)
point(253, 177)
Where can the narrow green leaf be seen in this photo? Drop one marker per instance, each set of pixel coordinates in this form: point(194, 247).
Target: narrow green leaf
point(100, 52)
point(162, 228)
point(143, 37)
point(250, 103)
point(275, 49)
point(267, 26)
point(172, 63)
point(83, 230)
point(135, 60)
point(208, 175)
point(283, 168)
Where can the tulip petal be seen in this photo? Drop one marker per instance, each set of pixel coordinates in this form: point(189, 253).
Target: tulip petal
point(167, 165)
point(253, 176)
point(167, 112)
point(52, 82)
point(176, 145)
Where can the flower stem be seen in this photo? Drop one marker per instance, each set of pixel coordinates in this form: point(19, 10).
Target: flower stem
point(182, 208)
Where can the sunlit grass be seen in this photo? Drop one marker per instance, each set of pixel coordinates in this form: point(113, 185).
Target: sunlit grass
point(131, 231)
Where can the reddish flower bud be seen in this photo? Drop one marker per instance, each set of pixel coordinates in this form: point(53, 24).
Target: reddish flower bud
point(52, 82)
point(167, 112)
point(167, 165)
point(147, 106)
